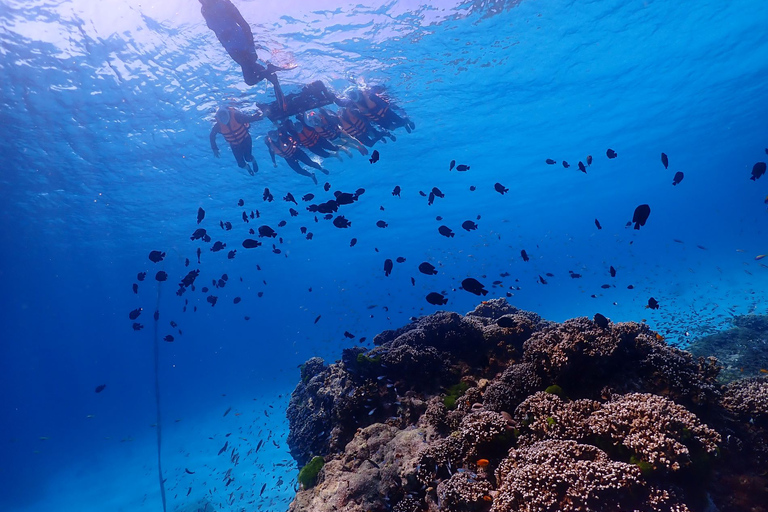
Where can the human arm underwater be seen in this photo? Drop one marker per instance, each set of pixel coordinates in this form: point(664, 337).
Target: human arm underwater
point(214, 147)
point(244, 118)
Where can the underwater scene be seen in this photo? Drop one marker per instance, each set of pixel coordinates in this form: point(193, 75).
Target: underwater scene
point(373, 256)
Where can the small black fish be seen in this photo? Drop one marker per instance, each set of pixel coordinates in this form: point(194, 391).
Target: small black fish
point(431, 198)
point(574, 275)
point(293, 212)
point(281, 224)
point(250, 243)
point(446, 231)
point(308, 197)
point(381, 224)
point(156, 256)
point(241, 202)
point(267, 196)
point(611, 153)
point(168, 338)
point(612, 271)
point(396, 191)
point(472, 285)
point(236, 300)
point(550, 161)
point(231, 254)
point(353, 242)
point(400, 259)
point(341, 222)
point(388, 267)
point(665, 160)
point(212, 300)
point(137, 326)
point(506, 322)
point(427, 268)
point(245, 217)
point(589, 159)
point(462, 168)
point(472, 188)
point(262, 489)
point(582, 168)
point(758, 170)
point(135, 288)
point(641, 215)
point(652, 304)
point(678, 178)
point(218, 246)
point(100, 388)
point(343, 198)
point(141, 275)
point(156, 316)
point(438, 192)
point(198, 234)
point(501, 189)
point(374, 157)
point(224, 448)
point(605, 286)
point(349, 335)
point(566, 164)
point(200, 215)
point(267, 231)
point(468, 225)
point(161, 276)
point(189, 472)
point(453, 164)
point(524, 255)
point(542, 280)
point(327, 186)
point(289, 198)
point(601, 321)
point(436, 299)
point(597, 223)
point(316, 320)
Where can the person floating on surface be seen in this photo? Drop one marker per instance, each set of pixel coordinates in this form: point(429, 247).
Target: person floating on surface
point(376, 109)
point(236, 36)
point(328, 126)
point(310, 139)
point(354, 124)
point(282, 144)
point(234, 125)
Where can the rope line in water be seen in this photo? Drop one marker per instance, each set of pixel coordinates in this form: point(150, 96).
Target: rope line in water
point(157, 399)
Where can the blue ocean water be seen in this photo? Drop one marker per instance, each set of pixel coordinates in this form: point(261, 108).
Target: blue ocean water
point(107, 108)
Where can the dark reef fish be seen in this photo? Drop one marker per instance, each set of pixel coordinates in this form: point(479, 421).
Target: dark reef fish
point(218, 246)
point(582, 167)
point(396, 191)
point(550, 161)
point(329, 206)
point(601, 321)
point(198, 234)
point(133, 315)
point(381, 224)
point(169, 338)
point(641, 215)
point(611, 153)
point(141, 275)
point(341, 222)
point(453, 164)
point(308, 197)
point(524, 255)
point(436, 299)
point(326, 186)
point(678, 178)
point(349, 335)
point(388, 266)
point(400, 259)
point(612, 271)
point(566, 164)
point(353, 242)
point(156, 256)
point(212, 300)
point(161, 276)
point(758, 170)
point(374, 157)
point(472, 285)
point(100, 388)
point(506, 322)
point(240, 202)
point(597, 223)
point(501, 189)
point(343, 198)
point(250, 243)
point(438, 192)
point(189, 472)
point(652, 304)
point(462, 168)
point(200, 215)
point(135, 288)
point(267, 196)
point(266, 231)
point(468, 225)
point(288, 198)
point(427, 268)
point(589, 159)
point(542, 280)
point(446, 231)
point(431, 199)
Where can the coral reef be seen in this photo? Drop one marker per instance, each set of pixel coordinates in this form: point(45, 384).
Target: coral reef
point(501, 411)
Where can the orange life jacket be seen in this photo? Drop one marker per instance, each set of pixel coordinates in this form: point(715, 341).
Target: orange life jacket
point(328, 131)
point(234, 132)
point(376, 115)
point(353, 125)
point(284, 149)
point(308, 137)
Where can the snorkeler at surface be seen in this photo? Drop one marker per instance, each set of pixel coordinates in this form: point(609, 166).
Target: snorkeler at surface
point(282, 144)
point(376, 108)
point(234, 125)
point(236, 36)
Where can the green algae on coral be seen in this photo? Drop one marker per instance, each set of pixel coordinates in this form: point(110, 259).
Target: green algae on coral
point(308, 474)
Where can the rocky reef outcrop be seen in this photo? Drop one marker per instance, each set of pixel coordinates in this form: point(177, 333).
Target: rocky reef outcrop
point(501, 411)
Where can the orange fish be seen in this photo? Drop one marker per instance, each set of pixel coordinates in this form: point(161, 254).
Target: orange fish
point(659, 337)
point(482, 463)
point(763, 370)
point(487, 498)
point(759, 256)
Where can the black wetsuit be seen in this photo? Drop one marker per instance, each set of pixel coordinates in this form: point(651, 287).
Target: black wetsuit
point(293, 160)
point(236, 36)
point(241, 150)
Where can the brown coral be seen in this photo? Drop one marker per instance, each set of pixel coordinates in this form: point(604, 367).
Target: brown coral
point(747, 397)
point(463, 492)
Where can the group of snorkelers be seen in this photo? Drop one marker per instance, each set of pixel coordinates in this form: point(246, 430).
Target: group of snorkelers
point(364, 117)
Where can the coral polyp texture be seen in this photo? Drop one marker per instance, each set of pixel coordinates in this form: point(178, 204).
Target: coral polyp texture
point(501, 411)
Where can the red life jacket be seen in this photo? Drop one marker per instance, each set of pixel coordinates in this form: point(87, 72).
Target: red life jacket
point(376, 115)
point(308, 137)
point(353, 125)
point(284, 149)
point(234, 132)
point(328, 131)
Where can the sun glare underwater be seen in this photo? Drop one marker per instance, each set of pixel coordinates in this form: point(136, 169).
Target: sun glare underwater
point(186, 226)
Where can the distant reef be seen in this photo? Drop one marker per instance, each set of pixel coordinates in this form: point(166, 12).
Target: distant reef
point(499, 410)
